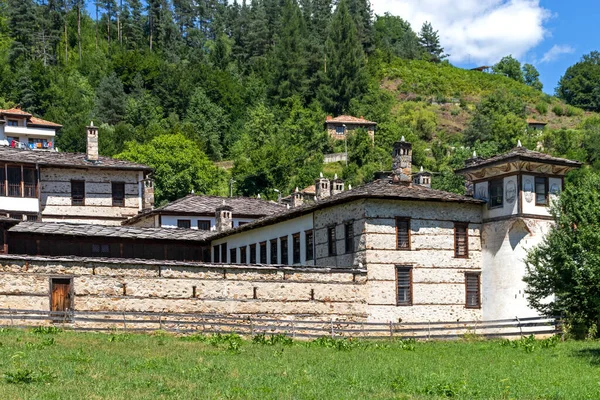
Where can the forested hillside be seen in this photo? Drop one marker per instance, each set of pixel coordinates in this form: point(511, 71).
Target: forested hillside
point(181, 85)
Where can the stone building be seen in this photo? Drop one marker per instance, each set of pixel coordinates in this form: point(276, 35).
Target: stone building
point(390, 250)
point(518, 188)
point(200, 212)
point(72, 187)
point(340, 127)
point(20, 129)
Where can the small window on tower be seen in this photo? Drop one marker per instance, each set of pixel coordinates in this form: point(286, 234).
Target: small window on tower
point(339, 130)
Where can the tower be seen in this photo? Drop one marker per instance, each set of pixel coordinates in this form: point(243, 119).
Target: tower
point(92, 142)
point(402, 161)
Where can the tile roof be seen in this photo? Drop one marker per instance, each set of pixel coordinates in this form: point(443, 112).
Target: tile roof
point(195, 204)
point(349, 119)
point(59, 159)
point(15, 111)
point(35, 121)
point(517, 153)
point(126, 232)
point(379, 189)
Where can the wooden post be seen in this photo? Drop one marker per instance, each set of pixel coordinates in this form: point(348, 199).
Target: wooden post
point(332, 332)
point(124, 322)
point(391, 330)
point(520, 327)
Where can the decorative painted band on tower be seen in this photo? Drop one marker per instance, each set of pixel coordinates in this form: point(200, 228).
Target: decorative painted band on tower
point(402, 161)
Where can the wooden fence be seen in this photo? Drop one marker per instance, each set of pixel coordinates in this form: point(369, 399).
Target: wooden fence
point(256, 324)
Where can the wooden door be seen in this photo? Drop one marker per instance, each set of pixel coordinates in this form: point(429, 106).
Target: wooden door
point(60, 299)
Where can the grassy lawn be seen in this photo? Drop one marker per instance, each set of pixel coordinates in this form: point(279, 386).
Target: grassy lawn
point(69, 365)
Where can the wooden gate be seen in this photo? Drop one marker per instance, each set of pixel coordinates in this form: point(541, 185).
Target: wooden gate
point(60, 297)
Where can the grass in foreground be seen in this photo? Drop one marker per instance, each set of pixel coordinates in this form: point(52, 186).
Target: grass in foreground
point(46, 364)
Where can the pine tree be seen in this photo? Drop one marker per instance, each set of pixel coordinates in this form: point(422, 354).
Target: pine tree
point(430, 42)
point(345, 77)
point(289, 55)
point(258, 35)
point(363, 18)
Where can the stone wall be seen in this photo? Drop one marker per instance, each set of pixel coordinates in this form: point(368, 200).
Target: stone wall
point(162, 286)
point(55, 188)
point(438, 277)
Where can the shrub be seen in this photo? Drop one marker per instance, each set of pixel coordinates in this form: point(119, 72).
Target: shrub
point(27, 376)
point(46, 330)
point(573, 111)
point(542, 108)
point(558, 110)
point(272, 340)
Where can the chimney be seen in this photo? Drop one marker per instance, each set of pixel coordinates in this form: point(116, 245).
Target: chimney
point(297, 198)
point(322, 188)
point(402, 161)
point(224, 218)
point(328, 118)
point(148, 195)
point(92, 142)
point(337, 185)
point(423, 178)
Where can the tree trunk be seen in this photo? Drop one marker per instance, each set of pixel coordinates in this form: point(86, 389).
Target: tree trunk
point(79, 29)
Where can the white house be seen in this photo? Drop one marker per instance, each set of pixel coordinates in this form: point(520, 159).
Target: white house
point(20, 129)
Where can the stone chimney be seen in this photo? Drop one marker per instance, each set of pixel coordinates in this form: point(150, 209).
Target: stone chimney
point(224, 218)
point(402, 161)
point(297, 198)
point(337, 185)
point(322, 188)
point(148, 195)
point(423, 178)
point(92, 142)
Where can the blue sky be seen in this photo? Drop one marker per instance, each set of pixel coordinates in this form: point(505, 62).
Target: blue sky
point(550, 34)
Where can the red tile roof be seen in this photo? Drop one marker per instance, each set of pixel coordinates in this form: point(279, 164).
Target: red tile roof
point(42, 122)
point(348, 119)
point(15, 111)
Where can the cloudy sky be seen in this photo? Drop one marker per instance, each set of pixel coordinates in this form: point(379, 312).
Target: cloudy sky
point(551, 34)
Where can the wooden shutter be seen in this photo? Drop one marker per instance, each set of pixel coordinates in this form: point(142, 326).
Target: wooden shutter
point(472, 288)
point(461, 240)
point(404, 285)
point(403, 233)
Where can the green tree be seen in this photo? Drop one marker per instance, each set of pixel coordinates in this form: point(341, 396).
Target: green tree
point(499, 118)
point(110, 100)
point(430, 42)
point(531, 77)
point(180, 167)
point(580, 85)
point(563, 272)
point(289, 55)
point(509, 67)
point(345, 77)
point(209, 123)
point(395, 37)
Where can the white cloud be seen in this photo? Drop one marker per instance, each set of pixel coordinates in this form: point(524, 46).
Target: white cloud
point(479, 31)
point(556, 51)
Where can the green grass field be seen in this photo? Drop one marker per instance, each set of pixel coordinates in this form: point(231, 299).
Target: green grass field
point(67, 365)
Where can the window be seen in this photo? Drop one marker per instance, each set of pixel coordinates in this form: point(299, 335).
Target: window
point(16, 216)
point(331, 240)
point(496, 193)
point(461, 240)
point(263, 252)
point(240, 223)
point(296, 248)
point(118, 194)
point(184, 223)
point(252, 254)
point(32, 217)
point(273, 244)
point(204, 224)
point(339, 130)
point(12, 122)
point(310, 245)
point(403, 233)
point(14, 181)
point(224, 252)
point(243, 255)
point(404, 284)
point(29, 182)
point(472, 288)
point(349, 237)
point(77, 193)
point(233, 256)
point(283, 241)
point(541, 191)
point(2, 181)
point(100, 250)
point(216, 254)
